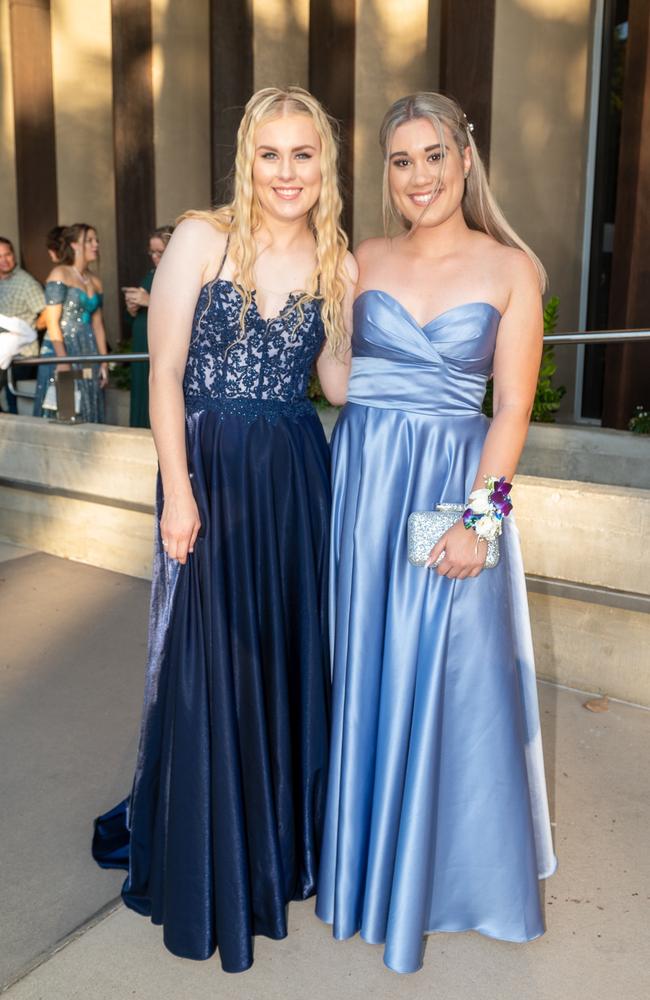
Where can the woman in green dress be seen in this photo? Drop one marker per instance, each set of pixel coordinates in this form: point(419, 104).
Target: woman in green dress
point(137, 308)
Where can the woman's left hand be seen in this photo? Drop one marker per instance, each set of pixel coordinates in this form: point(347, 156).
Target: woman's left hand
point(103, 375)
point(139, 297)
point(461, 556)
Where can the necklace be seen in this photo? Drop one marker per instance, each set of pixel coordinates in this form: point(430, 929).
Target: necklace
point(84, 279)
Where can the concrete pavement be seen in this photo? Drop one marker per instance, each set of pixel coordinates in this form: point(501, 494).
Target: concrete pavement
point(71, 683)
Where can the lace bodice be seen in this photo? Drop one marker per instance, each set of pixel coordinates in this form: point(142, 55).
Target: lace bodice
point(272, 361)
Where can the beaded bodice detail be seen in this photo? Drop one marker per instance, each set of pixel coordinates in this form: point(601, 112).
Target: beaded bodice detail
point(270, 361)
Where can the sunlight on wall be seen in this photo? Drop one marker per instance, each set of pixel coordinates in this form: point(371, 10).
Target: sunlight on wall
point(539, 137)
point(554, 10)
point(280, 43)
point(83, 115)
point(181, 85)
point(392, 59)
point(8, 195)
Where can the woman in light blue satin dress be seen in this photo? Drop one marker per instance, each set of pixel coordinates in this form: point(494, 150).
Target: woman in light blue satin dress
point(437, 816)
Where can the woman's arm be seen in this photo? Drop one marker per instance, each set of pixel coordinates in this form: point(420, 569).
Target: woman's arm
point(516, 368)
point(53, 321)
point(53, 311)
point(102, 344)
point(192, 250)
point(334, 371)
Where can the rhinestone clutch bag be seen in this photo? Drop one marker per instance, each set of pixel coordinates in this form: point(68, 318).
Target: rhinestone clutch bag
point(426, 527)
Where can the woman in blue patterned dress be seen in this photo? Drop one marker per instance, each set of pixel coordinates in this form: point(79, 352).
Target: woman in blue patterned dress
point(75, 325)
point(224, 822)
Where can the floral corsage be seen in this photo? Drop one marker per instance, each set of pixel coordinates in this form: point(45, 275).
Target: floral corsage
point(487, 507)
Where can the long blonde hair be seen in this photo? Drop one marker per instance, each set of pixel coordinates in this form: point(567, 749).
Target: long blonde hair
point(479, 206)
point(242, 216)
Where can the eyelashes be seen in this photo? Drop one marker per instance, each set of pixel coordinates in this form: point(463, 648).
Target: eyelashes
point(432, 158)
point(274, 156)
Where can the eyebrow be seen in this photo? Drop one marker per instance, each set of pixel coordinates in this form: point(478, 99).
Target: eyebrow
point(296, 149)
point(427, 149)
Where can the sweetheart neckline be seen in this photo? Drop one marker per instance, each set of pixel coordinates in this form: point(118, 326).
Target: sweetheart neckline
point(445, 312)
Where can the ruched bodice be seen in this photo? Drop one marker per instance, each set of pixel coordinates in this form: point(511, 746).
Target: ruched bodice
point(441, 368)
point(271, 362)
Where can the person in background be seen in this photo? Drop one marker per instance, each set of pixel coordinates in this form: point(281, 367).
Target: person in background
point(74, 321)
point(54, 243)
point(21, 297)
point(137, 307)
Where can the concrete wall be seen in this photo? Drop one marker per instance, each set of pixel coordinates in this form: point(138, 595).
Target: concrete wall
point(396, 53)
point(181, 76)
point(539, 133)
point(280, 43)
point(86, 493)
point(8, 197)
point(83, 95)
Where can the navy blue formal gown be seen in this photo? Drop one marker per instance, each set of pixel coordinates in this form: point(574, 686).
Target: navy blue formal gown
point(223, 826)
point(437, 815)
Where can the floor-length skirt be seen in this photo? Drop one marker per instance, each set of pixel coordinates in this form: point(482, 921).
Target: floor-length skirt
point(226, 812)
point(437, 816)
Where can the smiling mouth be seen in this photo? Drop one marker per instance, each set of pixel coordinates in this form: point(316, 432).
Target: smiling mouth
point(288, 193)
point(424, 198)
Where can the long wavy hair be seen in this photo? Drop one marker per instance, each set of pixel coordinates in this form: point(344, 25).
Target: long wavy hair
point(479, 206)
point(242, 217)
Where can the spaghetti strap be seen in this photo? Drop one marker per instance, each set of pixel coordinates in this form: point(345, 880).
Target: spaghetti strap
point(223, 260)
point(210, 284)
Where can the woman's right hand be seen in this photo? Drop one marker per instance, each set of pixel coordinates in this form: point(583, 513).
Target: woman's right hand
point(179, 524)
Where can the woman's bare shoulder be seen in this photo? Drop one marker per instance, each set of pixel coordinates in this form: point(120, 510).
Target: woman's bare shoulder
point(61, 272)
point(368, 250)
point(200, 233)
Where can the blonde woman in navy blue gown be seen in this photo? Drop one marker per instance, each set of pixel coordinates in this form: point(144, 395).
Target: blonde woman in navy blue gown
point(437, 816)
point(226, 814)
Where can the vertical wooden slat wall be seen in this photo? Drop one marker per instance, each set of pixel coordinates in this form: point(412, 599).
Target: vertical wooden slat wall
point(135, 203)
point(231, 84)
point(466, 57)
point(36, 186)
point(627, 366)
point(331, 79)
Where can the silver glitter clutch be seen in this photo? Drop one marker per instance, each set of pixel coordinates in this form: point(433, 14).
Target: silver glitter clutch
point(426, 527)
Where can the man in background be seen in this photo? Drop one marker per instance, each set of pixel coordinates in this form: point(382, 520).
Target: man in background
point(21, 296)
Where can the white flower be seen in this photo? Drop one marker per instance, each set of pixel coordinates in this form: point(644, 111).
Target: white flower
point(488, 527)
point(479, 501)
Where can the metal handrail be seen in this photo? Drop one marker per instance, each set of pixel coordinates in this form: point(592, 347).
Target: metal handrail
point(550, 340)
point(597, 337)
point(593, 337)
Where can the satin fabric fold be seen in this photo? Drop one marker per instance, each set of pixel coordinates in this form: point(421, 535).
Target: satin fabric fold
point(224, 822)
point(223, 826)
point(437, 817)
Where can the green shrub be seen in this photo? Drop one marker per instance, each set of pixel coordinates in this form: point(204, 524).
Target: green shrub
point(547, 396)
point(640, 422)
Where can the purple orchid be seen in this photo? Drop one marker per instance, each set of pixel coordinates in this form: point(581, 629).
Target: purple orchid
point(500, 496)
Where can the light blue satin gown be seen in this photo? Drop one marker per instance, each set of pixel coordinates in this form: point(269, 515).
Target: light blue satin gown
point(437, 816)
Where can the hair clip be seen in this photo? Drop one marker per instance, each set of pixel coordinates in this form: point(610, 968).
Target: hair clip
point(468, 124)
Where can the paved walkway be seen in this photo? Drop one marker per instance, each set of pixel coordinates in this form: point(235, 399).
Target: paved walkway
point(71, 673)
